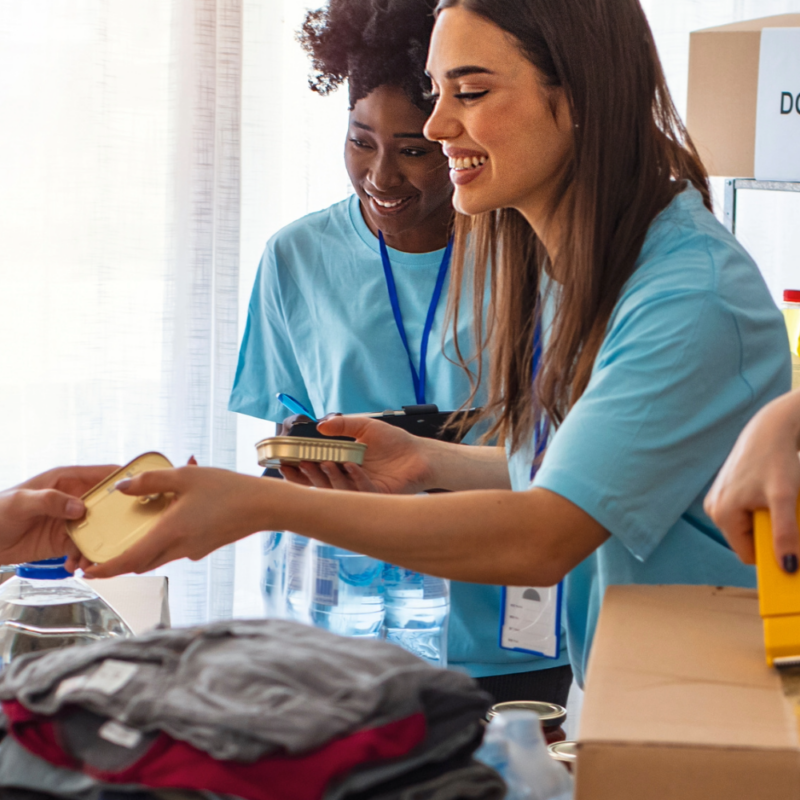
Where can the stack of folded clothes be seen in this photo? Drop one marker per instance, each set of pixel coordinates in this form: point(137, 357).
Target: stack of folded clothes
point(257, 710)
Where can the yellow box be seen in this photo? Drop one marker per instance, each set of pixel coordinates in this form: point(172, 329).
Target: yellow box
point(778, 595)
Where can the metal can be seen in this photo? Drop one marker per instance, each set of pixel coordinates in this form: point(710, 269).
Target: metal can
point(292, 450)
point(551, 716)
point(565, 752)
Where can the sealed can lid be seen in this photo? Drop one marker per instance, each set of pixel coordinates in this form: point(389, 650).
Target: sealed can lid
point(551, 715)
point(791, 295)
point(563, 751)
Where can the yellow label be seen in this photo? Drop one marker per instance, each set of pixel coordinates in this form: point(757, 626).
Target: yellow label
point(792, 318)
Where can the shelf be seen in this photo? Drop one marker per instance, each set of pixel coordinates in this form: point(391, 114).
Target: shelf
point(735, 185)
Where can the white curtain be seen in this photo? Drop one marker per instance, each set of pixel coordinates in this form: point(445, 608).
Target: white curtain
point(128, 141)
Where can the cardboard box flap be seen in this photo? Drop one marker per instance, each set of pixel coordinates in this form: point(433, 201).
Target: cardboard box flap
point(777, 21)
point(665, 662)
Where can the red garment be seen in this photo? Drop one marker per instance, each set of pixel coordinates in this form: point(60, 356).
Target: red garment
point(173, 764)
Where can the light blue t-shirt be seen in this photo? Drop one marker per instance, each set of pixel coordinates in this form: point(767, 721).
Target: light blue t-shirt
point(694, 347)
point(320, 328)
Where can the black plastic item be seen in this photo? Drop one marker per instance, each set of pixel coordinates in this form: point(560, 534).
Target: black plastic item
point(426, 421)
point(421, 420)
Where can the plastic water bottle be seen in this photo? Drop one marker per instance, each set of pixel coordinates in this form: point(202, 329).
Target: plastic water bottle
point(346, 596)
point(273, 562)
point(514, 747)
point(296, 603)
point(417, 610)
point(45, 607)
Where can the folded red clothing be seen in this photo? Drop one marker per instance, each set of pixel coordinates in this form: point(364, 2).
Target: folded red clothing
point(169, 763)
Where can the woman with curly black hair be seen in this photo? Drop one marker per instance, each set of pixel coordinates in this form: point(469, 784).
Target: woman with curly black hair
point(321, 325)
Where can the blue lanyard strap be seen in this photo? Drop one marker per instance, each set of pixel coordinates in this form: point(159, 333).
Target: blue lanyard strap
point(543, 426)
point(417, 378)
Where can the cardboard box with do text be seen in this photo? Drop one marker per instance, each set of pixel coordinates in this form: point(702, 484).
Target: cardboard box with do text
point(743, 108)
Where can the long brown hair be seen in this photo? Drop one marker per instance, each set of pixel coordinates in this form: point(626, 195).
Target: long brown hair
point(631, 156)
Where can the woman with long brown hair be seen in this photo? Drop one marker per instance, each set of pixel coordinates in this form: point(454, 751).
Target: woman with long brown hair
point(630, 336)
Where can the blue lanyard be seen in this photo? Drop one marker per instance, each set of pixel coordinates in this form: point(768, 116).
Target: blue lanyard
point(419, 379)
point(543, 426)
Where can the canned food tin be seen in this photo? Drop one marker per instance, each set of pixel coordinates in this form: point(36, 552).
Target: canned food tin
point(279, 450)
point(551, 716)
point(115, 521)
point(565, 752)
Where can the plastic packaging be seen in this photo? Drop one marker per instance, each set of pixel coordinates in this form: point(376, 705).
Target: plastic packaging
point(791, 315)
point(273, 563)
point(417, 611)
point(514, 747)
point(345, 592)
point(44, 607)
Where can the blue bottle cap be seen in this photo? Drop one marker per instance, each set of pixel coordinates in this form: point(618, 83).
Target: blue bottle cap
point(48, 569)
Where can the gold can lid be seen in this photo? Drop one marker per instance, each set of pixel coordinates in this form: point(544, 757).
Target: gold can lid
point(563, 751)
point(277, 450)
point(551, 715)
point(114, 521)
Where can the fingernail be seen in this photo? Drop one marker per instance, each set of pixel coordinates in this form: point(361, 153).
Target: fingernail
point(74, 508)
point(349, 467)
point(790, 563)
point(123, 484)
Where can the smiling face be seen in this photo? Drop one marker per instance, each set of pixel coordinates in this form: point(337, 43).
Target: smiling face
point(507, 135)
point(400, 178)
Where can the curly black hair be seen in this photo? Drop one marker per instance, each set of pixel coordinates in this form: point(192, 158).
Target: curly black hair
point(370, 43)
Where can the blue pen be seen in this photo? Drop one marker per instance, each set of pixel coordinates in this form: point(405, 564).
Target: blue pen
point(295, 406)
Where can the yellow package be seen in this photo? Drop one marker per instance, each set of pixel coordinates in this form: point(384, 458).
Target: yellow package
point(778, 597)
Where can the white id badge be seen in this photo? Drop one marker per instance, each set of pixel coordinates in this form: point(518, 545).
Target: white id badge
point(531, 620)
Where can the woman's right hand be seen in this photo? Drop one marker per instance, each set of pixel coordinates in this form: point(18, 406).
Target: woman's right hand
point(395, 461)
point(762, 471)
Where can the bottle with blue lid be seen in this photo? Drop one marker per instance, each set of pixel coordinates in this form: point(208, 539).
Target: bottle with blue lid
point(45, 607)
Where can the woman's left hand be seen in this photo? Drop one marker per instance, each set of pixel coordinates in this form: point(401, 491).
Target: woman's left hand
point(210, 508)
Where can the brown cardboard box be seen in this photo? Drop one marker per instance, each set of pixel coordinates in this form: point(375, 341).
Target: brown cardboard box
point(723, 88)
point(680, 703)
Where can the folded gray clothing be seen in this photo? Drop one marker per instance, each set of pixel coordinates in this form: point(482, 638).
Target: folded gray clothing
point(429, 758)
point(240, 690)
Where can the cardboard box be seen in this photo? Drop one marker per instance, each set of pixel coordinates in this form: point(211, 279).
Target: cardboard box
point(723, 93)
point(680, 703)
point(141, 600)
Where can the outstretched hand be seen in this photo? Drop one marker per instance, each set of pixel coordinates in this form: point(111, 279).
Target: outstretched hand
point(762, 471)
point(32, 514)
point(210, 508)
point(394, 462)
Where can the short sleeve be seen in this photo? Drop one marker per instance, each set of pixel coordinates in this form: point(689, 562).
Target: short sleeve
point(267, 362)
point(663, 408)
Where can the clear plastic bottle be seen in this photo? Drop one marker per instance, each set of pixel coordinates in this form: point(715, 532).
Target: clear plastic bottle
point(273, 563)
point(417, 611)
point(297, 580)
point(45, 607)
point(791, 315)
point(514, 747)
point(346, 596)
